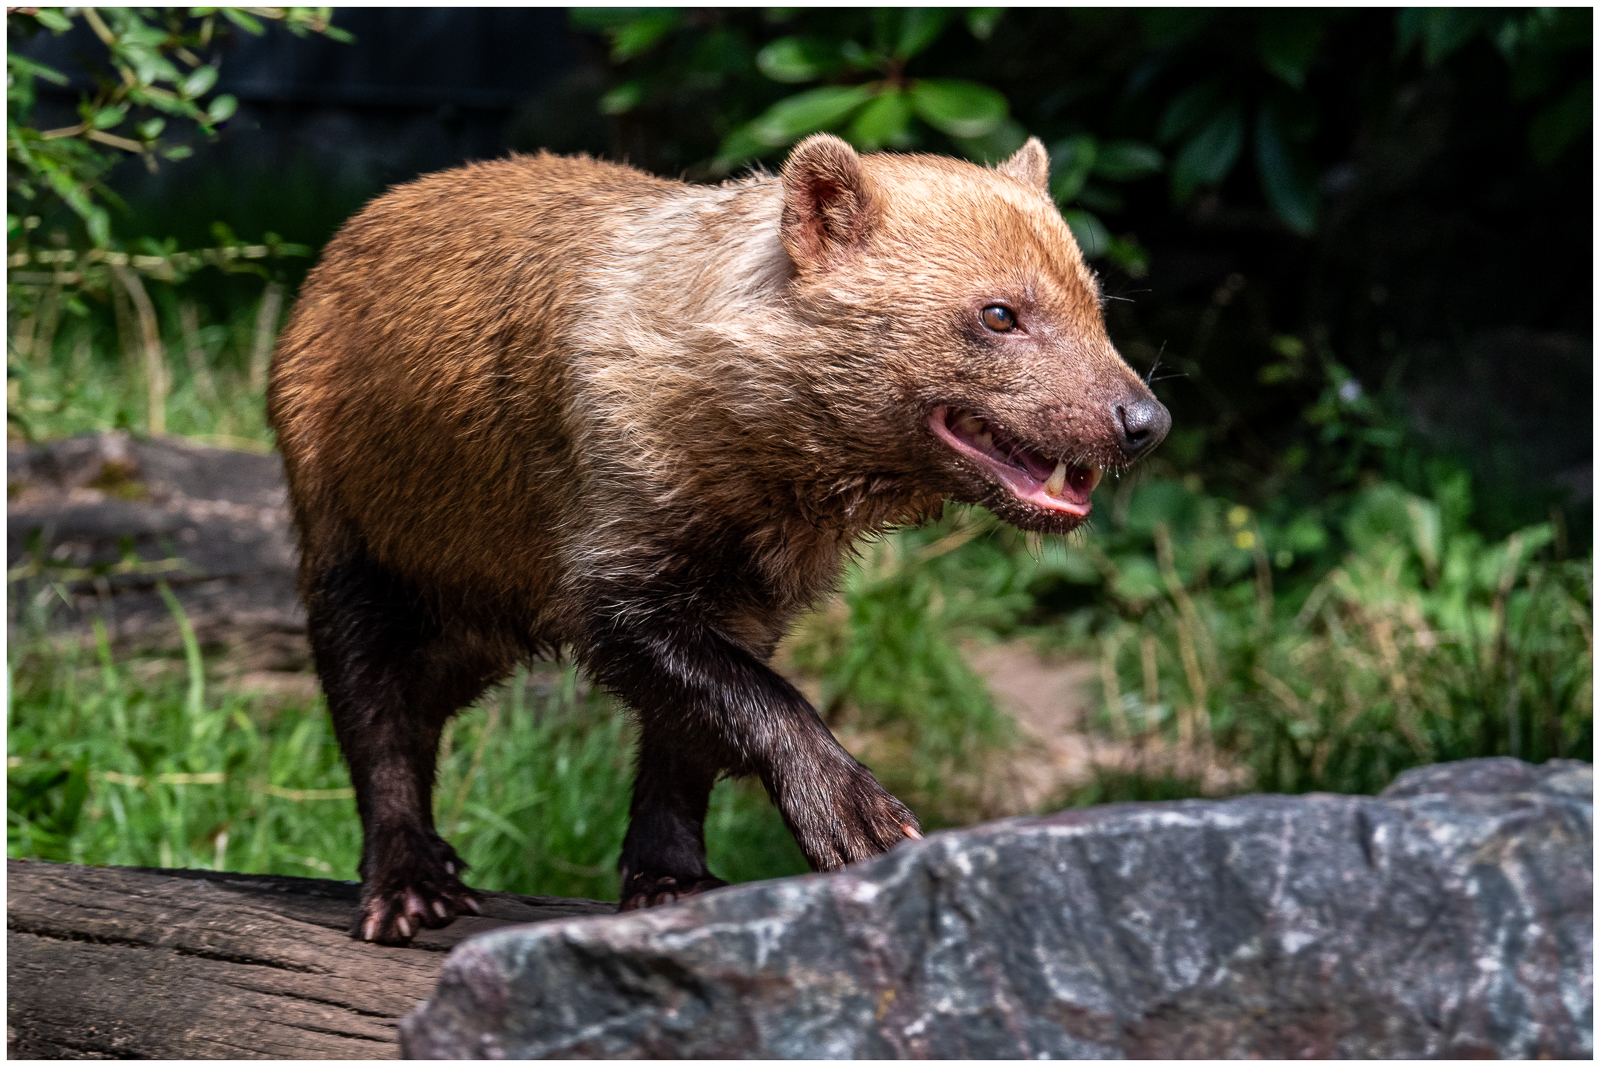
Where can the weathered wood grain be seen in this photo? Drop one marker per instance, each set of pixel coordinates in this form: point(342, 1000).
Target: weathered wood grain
point(107, 962)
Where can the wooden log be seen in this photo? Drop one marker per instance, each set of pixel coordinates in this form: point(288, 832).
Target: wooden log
point(178, 964)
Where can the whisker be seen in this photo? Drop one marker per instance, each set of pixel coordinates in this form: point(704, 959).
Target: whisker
point(1150, 374)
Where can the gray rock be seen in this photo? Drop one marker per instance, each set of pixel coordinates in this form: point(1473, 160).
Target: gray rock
point(210, 522)
point(1451, 917)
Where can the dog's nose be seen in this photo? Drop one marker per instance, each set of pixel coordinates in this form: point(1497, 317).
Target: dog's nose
point(1143, 423)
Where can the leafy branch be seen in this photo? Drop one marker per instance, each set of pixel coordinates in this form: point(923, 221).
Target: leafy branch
point(871, 98)
point(160, 66)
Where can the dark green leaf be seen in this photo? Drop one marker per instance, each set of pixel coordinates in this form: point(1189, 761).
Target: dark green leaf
point(1286, 174)
point(981, 21)
point(920, 27)
point(52, 19)
point(1126, 161)
point(605, 18)
point(148, 65)
point(738, 146)
point(1098, 198)
point(1443, 30)
point(721, 52)
point(243, 19)
point(1408, 24)
point(1070, 163)
point(818, 109)
point(1210, 154)
point(1559, 124)
point(1287, 39)
point(1167, 26)
point(24, 65)
point(1190, 110)
point(637, 36)
point(996, 146)
point(1532, 73)
point(798, 59)
point(959, 108)
point(1130, 256)
point(1094, 240)
point(1447, 30)
point(884, 121)
point(858, 57)
point(222, 108)
point(200, 81)
point(109, 117)
point(623, 98)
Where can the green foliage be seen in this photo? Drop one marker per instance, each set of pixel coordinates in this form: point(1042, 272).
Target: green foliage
point(1215, 88)
point(1543, 47)
point(890, 664)
point(872, 115)
point(870, 98)
point(1422, 644)
point(152, 98)
point(140, 82)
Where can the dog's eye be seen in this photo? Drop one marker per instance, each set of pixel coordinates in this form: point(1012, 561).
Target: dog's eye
point(998, 318)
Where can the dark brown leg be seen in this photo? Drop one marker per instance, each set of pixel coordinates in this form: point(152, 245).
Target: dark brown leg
point(664, 853)
point(707, 704)
point(393, 678)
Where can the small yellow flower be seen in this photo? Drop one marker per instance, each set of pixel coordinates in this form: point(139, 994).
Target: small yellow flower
point(1239, 515)
point(1245, 539)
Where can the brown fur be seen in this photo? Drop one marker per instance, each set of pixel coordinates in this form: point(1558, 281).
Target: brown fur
point(517, 383)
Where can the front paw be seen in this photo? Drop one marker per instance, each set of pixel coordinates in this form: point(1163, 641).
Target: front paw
point(415, 891)
point(647, 890)
point(860, 820)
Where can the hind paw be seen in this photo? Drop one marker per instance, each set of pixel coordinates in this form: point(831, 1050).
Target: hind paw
point(646, 890)
point(423, 894)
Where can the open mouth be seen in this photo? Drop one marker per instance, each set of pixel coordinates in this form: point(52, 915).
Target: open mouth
point(1033, 478)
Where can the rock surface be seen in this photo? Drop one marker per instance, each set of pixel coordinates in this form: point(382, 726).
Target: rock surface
point(106, 515)
point(1451, 917)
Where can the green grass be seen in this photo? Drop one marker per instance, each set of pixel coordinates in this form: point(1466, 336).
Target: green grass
point(142, 763)
point(1423, 643)
point(69, 373)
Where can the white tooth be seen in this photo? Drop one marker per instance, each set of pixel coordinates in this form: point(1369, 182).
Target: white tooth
point(985, 441)
point(970, 424)
point(1058, 480)
point(1095, 474)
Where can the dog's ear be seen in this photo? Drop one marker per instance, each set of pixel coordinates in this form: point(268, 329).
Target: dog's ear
point(828, 206)
point(1030, 166)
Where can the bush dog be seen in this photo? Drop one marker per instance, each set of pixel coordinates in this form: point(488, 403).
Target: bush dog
point(545, 403)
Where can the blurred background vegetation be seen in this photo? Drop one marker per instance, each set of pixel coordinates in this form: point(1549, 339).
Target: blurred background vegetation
point(1351, 248)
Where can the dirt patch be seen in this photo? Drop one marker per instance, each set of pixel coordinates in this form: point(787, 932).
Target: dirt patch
point(1054, 701)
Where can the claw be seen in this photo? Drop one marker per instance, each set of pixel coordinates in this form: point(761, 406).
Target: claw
point(404, 926)
point(471, 904)
point(369, 929)
point(911, 832)
point(440, 910)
